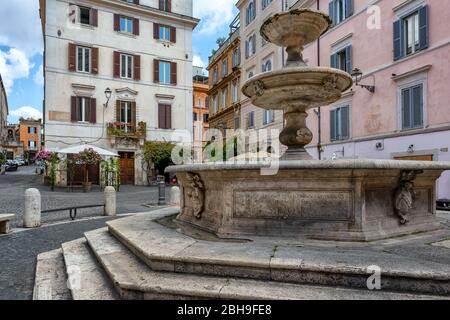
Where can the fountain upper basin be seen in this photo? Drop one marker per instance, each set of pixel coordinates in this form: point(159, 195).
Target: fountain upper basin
point(309, 87)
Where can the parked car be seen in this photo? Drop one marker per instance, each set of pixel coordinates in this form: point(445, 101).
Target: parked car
point(20, 162)
point(11, 165)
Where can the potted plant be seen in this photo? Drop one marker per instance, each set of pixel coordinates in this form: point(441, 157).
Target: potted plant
point(87, 158)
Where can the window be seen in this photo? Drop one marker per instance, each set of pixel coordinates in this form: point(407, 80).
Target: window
point(267, 65)
point(215, 75)
point(250, 74)
point(205, 117)
point(250, 13)
point(32, 130)
point(224, 68)
point(215, 104)
point(339, 123)
point(165, 116)
point(343, 59)
point(165, 5)
point(83, 59)
point(32, 144)
point(268, 116)
point(339, 10)
point(200, 103)
point(250, 46)
point(126, 66)
point(251, 120)
point(126, 115)
point(237, 122)
point(236, 57)
point(223, 101)
point(85, 15)
point(126, 25)
point(83, 109)
point(164, 33)
point(411, 33)
point(195, 116)
point(265, 3)
point(234, 92)
point(412, 107)
point(164, 72)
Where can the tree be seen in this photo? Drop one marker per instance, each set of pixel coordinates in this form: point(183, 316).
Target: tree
point(2, 159)
point(157, 153)
point(87, 158)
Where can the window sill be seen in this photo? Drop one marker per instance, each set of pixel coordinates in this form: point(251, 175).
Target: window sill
point(166, 43)
point(410, 55)
point(126, 34)
point(87, 26)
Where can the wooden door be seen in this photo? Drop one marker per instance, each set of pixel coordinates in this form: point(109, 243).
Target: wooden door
point(126, 168)
point(416, 158)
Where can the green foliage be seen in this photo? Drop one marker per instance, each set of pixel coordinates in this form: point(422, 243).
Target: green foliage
point(111, 173)
point(230, 147)
point(158, 153)
point(53, 163)
point(2, 158)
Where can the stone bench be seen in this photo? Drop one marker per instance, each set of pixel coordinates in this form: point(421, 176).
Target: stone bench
point(4, 222)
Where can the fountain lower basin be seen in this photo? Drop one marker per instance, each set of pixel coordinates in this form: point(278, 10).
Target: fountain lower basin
point(347, 200)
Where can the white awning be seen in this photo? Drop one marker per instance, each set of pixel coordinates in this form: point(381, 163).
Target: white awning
point(81, 148)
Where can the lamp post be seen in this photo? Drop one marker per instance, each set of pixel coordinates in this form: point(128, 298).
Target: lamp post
point(108, 94)
point(357, 77)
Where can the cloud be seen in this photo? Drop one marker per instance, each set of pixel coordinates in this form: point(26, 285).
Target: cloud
point(39, 76)
point(214, 14)
point(14, 65)
point(198, 62)
point(20, 26)
point(26, 112)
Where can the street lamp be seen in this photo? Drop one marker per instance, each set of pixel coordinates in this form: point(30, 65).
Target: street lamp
point(357, 77)
point(108, 94)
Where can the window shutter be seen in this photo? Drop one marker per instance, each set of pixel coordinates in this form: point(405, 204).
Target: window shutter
point(398, 41)
point(161, 116)
point(349, 59)
point(246, 49)
point(116, 22)
point(423, 28)
point(345, 122)
point(173, 73)
point(156, 31)
point(72, 57)
point(93, 113)
point(87, 110)
point(133, 114)
point(118, 110)
point(348, 8)
point(135, 26)
point(161, 4)
point(73, 109)
point(173, 34)
point(254, 44)
point(95, 60)
point(417, 99)
point(137, 67)
point(406, 108)
point(333, 60)
point(333, 125)
point(331, 12)
point(156, 71)
point(169, 5)
point(136, 1)
point(207, 102)
point(94, 17)
point(168, 117)
point(116, 64)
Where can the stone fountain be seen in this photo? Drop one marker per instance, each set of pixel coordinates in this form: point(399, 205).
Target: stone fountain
point(350, 200)
point(242, 235)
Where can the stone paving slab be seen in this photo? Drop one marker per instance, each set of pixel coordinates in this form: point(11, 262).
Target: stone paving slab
point(51, 279)
point(87, 281)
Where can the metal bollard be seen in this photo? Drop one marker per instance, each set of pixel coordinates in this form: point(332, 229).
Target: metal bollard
point(162, 193)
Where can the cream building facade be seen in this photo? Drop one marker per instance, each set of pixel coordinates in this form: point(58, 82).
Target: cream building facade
point(141, 50)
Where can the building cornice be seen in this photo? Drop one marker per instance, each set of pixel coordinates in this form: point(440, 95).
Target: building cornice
point(411, 72)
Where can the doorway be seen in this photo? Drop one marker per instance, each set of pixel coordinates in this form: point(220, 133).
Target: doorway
point(126, 168)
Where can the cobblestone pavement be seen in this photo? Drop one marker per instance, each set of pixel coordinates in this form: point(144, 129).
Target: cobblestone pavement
point(130, 199)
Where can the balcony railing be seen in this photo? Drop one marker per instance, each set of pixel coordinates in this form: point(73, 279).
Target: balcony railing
point(127, 129)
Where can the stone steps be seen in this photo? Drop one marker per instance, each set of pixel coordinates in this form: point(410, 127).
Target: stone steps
point(164, 249)
point(135, 280)
point(87, 280)
point(51, 279)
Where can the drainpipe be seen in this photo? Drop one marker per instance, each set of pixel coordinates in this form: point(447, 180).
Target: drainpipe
point(319, 115)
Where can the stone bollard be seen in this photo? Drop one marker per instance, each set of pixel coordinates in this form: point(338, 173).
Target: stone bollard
point(162, 193)
point(110, 201)
point(174, 196)
point(32, 215)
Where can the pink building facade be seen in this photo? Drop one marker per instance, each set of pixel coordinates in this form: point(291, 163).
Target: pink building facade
point(402, 49)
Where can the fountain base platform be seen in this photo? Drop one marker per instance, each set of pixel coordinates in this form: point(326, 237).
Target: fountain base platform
point(346, 200)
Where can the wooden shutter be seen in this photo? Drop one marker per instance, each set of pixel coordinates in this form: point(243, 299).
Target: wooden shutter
point(118, 110)
point(161, 116)
point(173, 34)
point(136, 1)
point(73, 109)
point(137, 67)
point(247, 50)
point(423, 28)
point(345, 122)
point(333, 125)
point(72, 57)
point(156, 31)
point(133, 115)
point(398, 39)
point(156, 71)
point(94, 17)
point(135, 26)
point(87, 110)
point(331, 13)
point(254, 44)
point(349, 59)
point(116, 22)
point(207, 102)
point(173, 73)
point(169, 5)
point(417, 106)
point(116, 64)
point(348, 8)
point(93, 113)
point(406, 109)
point(94, 60)
point(168, 116)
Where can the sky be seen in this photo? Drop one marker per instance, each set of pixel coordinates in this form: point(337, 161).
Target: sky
point(21, 48)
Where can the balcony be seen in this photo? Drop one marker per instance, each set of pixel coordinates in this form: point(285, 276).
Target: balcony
point(127, 130)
